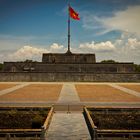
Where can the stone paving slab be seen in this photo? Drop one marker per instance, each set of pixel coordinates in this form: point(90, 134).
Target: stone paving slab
point(68, 127)
point(134, 87)
point(68, 94)
point(3, 92)
point(33, 92)
point(104, 93)
point(6, 86)
point(132, 92)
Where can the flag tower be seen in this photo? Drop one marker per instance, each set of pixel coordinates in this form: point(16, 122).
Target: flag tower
point(68, 30)
point(74, 15)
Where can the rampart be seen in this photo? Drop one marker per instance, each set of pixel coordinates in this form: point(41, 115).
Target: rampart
point(64, 67)
point(68, 77)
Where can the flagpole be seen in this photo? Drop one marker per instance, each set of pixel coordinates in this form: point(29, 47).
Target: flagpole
point(68, 30)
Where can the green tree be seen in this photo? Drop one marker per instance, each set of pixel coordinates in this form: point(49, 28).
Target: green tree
point(27, 60)
point(108, 61)
point(137, 68)
point(1, 66)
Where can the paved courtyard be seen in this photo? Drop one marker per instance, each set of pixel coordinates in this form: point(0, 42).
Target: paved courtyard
point(68, 100)
point(104, 93)
point(34, 92)
point(69, 92)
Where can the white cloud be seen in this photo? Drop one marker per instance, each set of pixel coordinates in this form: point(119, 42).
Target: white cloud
point(29, 52)
point(121, 50)
point(14, 48)
point(102, 46)
point(133, 43)
point(124, 49)
point(131, 50)
point(55, 47)
point(118, 42)
point(127, 20)
point(91, 21)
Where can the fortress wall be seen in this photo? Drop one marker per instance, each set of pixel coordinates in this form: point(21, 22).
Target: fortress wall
point(75, 68)
point(64, 77)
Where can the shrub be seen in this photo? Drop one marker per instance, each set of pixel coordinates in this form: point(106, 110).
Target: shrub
point(37, 121)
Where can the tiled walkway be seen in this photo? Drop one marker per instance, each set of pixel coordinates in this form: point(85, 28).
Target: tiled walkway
point(68, 127)
point(68, 94)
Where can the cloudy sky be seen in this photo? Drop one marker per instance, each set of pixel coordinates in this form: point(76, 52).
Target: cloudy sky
point(108, 28)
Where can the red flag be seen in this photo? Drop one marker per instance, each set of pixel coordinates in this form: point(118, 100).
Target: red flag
point(73, 14)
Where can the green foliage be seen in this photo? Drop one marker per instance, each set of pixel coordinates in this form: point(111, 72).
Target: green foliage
point(125, 120)
point(137, 68)
point(29, 61)
point(21, 119)
point(12, 113)
point(37, 121)
point(108, 61)
point(1, 66)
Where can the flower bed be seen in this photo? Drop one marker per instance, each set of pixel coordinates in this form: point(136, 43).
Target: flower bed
point(113, 123)
point(25, 122)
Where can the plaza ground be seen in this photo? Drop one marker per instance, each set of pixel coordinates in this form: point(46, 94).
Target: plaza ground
point(70, 93)
point(68, 100)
